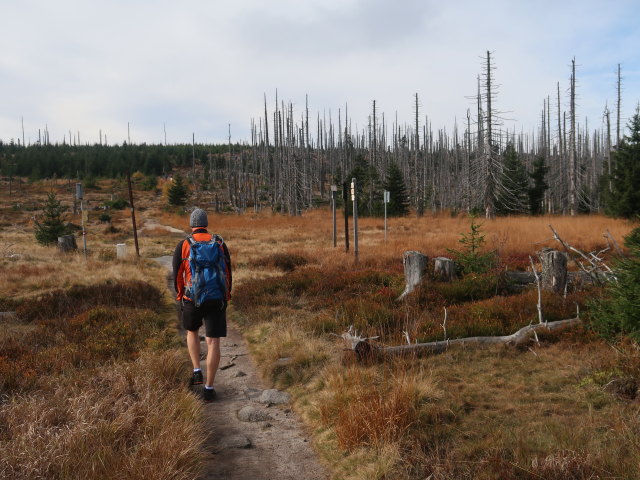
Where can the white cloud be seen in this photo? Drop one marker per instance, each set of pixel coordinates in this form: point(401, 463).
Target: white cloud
point(200, 65)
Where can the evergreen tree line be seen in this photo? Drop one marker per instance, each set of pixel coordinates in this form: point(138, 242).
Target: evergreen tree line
point(86, 161)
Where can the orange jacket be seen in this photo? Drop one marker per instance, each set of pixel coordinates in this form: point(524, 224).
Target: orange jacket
point(182, 270)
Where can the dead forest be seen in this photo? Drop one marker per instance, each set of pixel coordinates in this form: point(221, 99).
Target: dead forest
point(289, 161)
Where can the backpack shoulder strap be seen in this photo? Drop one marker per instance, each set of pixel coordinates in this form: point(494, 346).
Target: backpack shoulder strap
point(217, 238)
point(190, 240)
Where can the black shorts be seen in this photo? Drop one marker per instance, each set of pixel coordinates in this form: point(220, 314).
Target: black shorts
point(214, 314)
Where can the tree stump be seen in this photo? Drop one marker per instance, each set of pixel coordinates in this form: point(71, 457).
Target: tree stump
point(415, 266)
point(444, 268)
point(67, 243)
point(554, 270)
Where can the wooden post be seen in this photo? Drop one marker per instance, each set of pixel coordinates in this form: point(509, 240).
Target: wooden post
point(554, 270)
point(345, 197)
point(334, 192)
point(80, 196)
point(415, 266)
point(133, 215)
point(354, 197)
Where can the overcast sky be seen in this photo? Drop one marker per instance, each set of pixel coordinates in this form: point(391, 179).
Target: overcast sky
point(199, 65)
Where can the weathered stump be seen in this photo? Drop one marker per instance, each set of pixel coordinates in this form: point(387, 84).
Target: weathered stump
point(415, 266)
point(67, 243)
point(445, 268)
point(554, 270)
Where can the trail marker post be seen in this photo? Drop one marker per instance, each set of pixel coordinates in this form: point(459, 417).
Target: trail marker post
point(334, 192)
point(345, 197)
point(386, 201)
point(80, 196)
point(133, 215)
point(354, 198)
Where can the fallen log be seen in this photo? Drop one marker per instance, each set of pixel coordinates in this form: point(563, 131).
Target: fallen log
point(365, 350)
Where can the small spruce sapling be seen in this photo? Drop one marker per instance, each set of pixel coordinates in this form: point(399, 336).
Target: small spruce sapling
point(177, 193)
point(471, 259)
point(51, 224)
point(618, 313)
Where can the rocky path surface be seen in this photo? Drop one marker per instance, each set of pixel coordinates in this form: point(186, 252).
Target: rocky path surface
point(253, 433)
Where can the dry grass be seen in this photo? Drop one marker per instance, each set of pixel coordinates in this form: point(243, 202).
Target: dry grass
point(108, 424)
point(90, 386)
point(566, 408)
point(491, 413)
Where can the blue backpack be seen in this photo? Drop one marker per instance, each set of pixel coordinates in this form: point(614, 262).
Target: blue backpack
point(208, 271)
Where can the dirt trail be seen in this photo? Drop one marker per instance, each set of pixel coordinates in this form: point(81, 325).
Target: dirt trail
point(271, 444)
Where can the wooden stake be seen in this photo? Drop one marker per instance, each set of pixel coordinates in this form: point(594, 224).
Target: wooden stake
point(133, 214)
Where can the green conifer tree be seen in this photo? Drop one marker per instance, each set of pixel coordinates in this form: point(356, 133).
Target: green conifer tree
point(177, 193)
point(51, 224)
point(624, 198)
point(619, 312)
point(536, 191)
point(513, 185)
point(398, 201)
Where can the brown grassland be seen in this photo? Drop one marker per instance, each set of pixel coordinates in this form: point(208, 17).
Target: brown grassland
point(82, 365)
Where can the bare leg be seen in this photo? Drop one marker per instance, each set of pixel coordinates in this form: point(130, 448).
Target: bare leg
point(193, 344)
point(213, 359)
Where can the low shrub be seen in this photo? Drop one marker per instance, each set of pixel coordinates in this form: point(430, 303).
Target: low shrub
point(79, 298)
point(287, 262)
point(116, 204)
point(58, 344)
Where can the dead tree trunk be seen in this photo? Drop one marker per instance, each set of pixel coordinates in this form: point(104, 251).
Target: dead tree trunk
point(445, 268)
point(573, 163)
point(67, 243)
point(415, 266)
point(554, 270)
point(367, 351)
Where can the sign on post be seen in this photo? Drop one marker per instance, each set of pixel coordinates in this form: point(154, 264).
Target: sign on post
point(79, 191)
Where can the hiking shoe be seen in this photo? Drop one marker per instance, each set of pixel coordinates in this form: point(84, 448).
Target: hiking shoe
point(209, 394)
point(196, 378)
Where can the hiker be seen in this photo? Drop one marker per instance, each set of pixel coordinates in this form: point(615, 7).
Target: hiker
point(198, 303)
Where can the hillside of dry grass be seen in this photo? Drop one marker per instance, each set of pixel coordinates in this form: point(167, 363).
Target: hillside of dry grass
point(562, 407)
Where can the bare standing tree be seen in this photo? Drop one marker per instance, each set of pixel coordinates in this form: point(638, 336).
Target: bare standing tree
point(619, 95)
point(573, 163)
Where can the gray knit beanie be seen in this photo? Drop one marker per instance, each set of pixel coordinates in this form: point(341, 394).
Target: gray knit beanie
point(198, 218)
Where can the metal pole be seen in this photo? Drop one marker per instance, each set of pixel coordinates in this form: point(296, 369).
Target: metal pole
point(354, 197)
point(386, 201)
point(385, 221)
